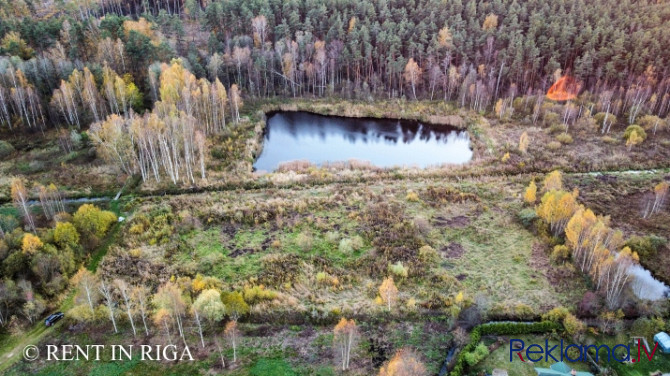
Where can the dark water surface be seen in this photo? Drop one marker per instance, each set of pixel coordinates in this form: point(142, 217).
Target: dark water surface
point(291, 136)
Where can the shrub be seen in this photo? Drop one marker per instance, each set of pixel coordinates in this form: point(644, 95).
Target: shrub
point(5, 149)
point(527, 216)
point(564, 138)
point(573, 325)
point(646, 246)
point(600, 117)
point(554, 145)
point(556, 128)
point(345, 246)
point(556, 315)
point(473, 358)
point(255, 294)
point(561, 253)
point(412, 196)
point(649, 122)
point(31, 244)
point(305, 241)
point(610, 140)
point(357, 242)
point(428, 254)
point(398, 270)
point(92, 221)
point(66, 235)
point(637, 129)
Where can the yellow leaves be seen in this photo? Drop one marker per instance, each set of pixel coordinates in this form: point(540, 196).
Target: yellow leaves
point(231, 328)
point(459, 298)
point(352, 24)
point(553, 181)
point(634, 139)
point(143, 27)
point(505, 157)
point(344, 327)
point(490, 23)
point(14, 45)
point(530, 195)
point(30, 244)
point(388, 292)
point(661, 189)
point(162, 317)
point(444, 38)
point(556, 208)
point(412, 71)
point(404, 363)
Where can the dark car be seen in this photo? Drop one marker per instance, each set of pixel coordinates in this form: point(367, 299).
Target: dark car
point(53, 318)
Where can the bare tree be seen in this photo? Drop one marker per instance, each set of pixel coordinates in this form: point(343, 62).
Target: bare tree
point(123, 288)
point(108, 295)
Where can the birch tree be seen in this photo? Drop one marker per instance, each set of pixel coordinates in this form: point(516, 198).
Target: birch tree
point(20, 198)
point(124, 290)
point(108, 295)
point(345, 336)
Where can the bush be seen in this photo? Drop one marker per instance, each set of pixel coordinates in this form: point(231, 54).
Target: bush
point(428, 254)
point(473, 358)
point(556, 315)
point(305, 241)
point(637, 129)
point(255, 294)
point(66, 235)
point(561, 253)
point(527, 217)
point(91, 221)
point(5, 149)
point(648, 122)
point(573, 325)
point(646, 246)
point(564, 138)
point(398, 270)
point(556, 128)
point(412, 196)
point(554, 145)
point(600, 117)
point(610, 140)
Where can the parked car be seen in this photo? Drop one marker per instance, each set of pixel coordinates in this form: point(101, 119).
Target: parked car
point(53, 318)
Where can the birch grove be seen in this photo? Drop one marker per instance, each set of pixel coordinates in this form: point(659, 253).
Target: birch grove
point(171, 140)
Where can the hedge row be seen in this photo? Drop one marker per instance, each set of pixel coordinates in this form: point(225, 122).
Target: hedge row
point(500, 328)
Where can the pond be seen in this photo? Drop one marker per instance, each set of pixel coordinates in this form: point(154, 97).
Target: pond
point(302, 136)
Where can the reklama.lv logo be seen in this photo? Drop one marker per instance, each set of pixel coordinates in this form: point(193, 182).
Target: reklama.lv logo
point(536, 353)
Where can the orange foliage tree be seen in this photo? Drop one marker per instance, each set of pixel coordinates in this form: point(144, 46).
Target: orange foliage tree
point(405, 362)
point(345, 336)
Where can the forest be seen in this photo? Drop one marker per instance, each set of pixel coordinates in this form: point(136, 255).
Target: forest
point(129, 198)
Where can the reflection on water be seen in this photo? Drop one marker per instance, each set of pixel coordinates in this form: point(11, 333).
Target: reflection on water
point(303, 136)
point(645, 286)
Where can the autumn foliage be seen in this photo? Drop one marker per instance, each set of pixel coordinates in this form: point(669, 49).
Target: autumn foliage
point(405, 362)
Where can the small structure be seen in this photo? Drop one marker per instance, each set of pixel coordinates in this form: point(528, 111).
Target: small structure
point(663, 340)
point(560, 369)
point(499, 372)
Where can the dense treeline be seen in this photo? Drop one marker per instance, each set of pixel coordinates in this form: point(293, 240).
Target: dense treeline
point(472, 52)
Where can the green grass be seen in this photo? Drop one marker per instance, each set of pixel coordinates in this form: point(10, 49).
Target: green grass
point(500, 359)
point(101, 251)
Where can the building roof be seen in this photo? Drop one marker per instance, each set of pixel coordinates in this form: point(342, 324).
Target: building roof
point(559, 369)
point(663, 339)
